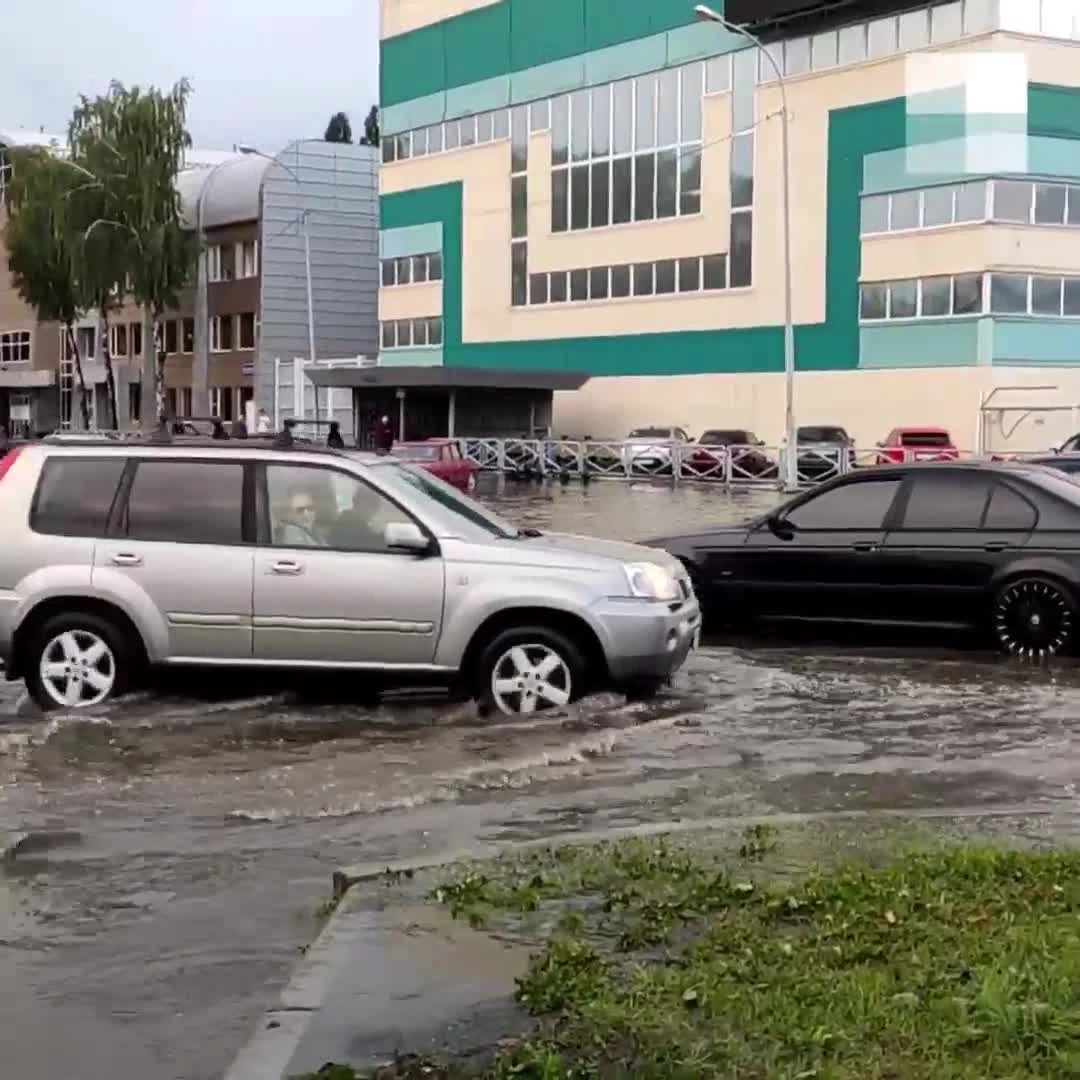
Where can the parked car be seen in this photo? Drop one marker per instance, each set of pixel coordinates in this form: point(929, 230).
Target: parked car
point(652, 449)
point(442, 458)
point(916, 444)
point(986, 547)
point(121, 556)
point(708, 457)
point(1068, 463)
point(821, 451)
point(1070, 446)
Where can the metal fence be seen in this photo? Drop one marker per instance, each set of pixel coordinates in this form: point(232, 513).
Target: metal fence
point(675, 462)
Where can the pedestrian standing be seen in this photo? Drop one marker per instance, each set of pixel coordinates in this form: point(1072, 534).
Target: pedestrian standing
point(262, 423)
point(384, 436)
point(333, 437)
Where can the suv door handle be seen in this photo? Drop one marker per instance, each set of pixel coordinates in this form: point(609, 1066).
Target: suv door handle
point(865, 545)
point(996, 545)
point(286, 566)
point(126, 558)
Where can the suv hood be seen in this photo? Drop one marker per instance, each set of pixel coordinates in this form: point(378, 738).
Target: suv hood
point(604, 549)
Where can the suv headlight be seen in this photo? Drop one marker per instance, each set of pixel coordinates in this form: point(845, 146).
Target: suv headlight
point(651, 582)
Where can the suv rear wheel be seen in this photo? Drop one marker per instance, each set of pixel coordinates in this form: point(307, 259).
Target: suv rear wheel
point(529, 668)
point(76, 660)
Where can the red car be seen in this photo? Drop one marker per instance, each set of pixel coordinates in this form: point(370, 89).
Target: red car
point(442, 457)
point(917, 444)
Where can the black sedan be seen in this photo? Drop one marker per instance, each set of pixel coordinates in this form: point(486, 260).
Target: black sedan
point(973, 546)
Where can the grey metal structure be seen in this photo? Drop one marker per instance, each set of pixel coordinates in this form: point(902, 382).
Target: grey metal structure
point(319, 215)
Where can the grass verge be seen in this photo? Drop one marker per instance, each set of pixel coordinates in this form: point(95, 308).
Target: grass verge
point(660, 962)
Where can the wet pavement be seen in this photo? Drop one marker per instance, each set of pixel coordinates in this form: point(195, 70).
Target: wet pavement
point(167, 858)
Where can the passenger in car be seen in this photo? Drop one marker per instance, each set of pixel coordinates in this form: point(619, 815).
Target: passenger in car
point(298, 528)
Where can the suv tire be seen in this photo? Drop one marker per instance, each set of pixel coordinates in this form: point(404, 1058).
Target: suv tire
point(529, 668)
point(77, 660)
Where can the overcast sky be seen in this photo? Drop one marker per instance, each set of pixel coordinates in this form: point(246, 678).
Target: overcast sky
point(263, 72)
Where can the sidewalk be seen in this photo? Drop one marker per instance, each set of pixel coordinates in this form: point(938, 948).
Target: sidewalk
point(382, 980)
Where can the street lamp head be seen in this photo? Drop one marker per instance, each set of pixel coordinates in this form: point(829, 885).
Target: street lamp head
point(706, 13)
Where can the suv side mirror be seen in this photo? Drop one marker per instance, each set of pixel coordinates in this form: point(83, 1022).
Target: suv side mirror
point(407, 536)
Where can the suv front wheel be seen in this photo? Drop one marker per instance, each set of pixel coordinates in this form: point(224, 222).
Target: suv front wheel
point(75, 661)
point(529, 668)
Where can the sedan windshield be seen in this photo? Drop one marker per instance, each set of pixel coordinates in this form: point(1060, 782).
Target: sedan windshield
point(723, 437)
point(651, 433)
point(454, 508)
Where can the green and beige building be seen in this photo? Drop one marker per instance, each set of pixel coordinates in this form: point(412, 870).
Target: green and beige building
point(585, 197)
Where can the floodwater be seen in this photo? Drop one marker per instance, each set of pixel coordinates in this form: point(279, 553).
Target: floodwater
point(165, 859)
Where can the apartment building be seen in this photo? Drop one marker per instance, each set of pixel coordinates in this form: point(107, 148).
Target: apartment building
point(321, 243)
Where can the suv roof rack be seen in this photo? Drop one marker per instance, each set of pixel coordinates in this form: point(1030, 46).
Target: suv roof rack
point(166, 438)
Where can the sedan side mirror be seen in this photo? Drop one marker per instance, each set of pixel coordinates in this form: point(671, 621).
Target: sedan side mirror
point(407, 536)
point(780, 527)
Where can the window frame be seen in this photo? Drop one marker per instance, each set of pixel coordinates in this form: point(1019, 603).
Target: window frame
point(118, 519)
point(263, 531)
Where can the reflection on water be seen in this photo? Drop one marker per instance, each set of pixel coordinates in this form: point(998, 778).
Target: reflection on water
point(164, 858)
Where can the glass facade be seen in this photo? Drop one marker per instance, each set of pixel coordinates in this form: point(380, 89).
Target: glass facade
point(1044, 295)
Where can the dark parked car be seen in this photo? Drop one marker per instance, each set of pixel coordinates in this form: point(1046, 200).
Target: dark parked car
point(747, 459)
point(821, 449)
point(1064, 462)
point(993, 548)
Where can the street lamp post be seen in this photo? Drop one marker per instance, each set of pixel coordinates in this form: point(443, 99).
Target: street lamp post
point(789, 474)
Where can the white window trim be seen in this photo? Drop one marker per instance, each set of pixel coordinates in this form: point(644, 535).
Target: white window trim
point(213, 263)
point(114, 338)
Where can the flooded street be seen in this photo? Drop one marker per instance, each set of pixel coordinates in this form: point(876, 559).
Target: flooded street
point(166, 860)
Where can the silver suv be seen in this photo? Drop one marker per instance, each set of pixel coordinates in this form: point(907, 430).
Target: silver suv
point(117, 557)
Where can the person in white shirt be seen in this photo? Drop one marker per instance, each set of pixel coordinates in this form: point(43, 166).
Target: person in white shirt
point(262, 423)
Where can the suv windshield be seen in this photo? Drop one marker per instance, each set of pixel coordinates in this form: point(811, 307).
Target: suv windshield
point(925, 438)
point(454, 507)
point(822, 434)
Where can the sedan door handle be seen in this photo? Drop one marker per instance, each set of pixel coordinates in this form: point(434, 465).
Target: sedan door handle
point(286, 566)
point(865, 545)
point(125, 558)
point(996, 545)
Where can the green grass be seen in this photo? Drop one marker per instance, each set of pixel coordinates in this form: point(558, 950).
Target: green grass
point(661, 963)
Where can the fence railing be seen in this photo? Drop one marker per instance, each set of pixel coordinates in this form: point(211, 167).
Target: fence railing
point(677, 462)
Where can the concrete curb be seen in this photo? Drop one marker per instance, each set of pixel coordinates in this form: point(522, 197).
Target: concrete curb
point(279, 1032)
point(268, 1052)
point(344, 879)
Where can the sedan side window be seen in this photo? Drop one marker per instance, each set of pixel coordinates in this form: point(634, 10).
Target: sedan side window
point(947, 500)
point(860, 505)
point(318, 507)
point(1009, 511)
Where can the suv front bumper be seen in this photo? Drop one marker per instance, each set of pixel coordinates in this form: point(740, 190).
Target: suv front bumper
point(647, 640)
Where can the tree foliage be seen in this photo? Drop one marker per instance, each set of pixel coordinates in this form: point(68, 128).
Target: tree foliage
point(338, 130)
point(42, 237)
point(371, 127)
point(133, 142)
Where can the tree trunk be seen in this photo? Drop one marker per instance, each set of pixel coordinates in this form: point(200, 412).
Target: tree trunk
point(84, 403)
point(159, 372)
point(110, 376)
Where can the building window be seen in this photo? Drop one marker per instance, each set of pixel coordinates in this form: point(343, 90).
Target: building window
point(627, 151)
point(247, 259)
point(135, 342)
point(411, 333)
point(412, 269)
point(15, 347)
point(213, 263)
point(246, 330)
point(86, 340)
point(924, 298)
point(948, 204)
point(221, 333)
point(118, 340)
point(171, 336)
point(187, 335)
point(222, 400)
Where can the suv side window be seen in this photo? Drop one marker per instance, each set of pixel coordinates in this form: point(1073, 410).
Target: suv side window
point(860, 505)
point(1009, 511)
point(186, 501)
point(319, 507)
point(75, 494)
point(946, 500)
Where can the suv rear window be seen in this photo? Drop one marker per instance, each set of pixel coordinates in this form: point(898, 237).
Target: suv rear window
point(821, 434)
point(186, 502)
point(925, 438)
point(75, 494)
